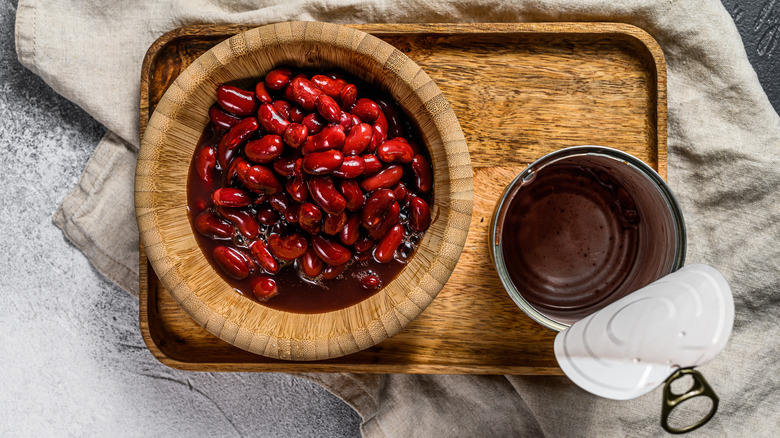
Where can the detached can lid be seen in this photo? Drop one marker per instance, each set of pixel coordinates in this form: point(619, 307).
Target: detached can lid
point(632, 346)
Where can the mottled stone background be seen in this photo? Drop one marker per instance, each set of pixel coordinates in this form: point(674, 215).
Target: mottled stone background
point(72, 361)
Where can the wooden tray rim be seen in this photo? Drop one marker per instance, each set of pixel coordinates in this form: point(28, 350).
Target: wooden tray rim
point(607, 28)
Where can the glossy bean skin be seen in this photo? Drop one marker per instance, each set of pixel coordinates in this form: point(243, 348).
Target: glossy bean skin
point(280, 202)
point(329, 86)
point(305, 93)
point(373, 165)
point(350, 232)
point(385, 249)
point(283, 108)
point(377, 206)
point(239, 133)
point(366, 109)
point(348, 96)
point(419, 214)
point(310, 264)
point(330, 251)
point(324, 193)
point(271, 120)
point(364, 245)
point(395, 151)
point(351, 167)
point(314, 123)
point(264, 150)
point(264, 287)
point(353, 195)
point(243, 220)
point(278, 79)
point(261, 93)
point(292, 213)
point(328, 108)
point(370, 282)
point(287, 248)
point(388, 220)
point(395, 127)
point(357, 139)
point(266, 215)
point(310, 218)
point(297, 189)
point(321, 163)
point(230, 197)
point(379, 137)
point(205, 161)
point(330, 272)
point(384, 179)
point(237, 166)
point(331, 137)
point(233, 262)
point(260, 179)
point(297, 114)
point(222, 119)
point(423, 175)
point(263, 257)
point(401, 193)
point(332, 224)
point(285, 165)
point(236, 101)
point(213, 226)
point(295, 135)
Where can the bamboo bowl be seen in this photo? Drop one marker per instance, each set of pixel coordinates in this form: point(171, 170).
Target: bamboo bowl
point(161, 199)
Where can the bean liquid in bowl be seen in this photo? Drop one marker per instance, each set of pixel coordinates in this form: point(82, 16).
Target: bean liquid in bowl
point(582, 228)
point(309, 192)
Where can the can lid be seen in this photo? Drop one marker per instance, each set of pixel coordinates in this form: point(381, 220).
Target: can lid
point(633, 345)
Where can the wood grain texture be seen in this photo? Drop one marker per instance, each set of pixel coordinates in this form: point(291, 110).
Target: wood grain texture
point(519, 91)
point(169, 142)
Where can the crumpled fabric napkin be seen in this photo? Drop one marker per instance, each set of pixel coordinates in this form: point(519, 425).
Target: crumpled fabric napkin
point(723, 164)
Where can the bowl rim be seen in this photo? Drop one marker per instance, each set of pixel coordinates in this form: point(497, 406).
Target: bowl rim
point(165, 229)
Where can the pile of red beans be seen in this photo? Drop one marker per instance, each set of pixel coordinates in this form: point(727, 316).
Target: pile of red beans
point(306, 174)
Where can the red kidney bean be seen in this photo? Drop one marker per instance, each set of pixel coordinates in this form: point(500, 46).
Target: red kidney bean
point(264, 287)
point(297, 189)
point(224, 155)
point(328, 108)
point(232, 261)
point(400, 193)
point(230, 197)
point(331, 87)
point(395, 151)
point(381, 121)
point(330, 272)
point(331, 137)
point(296, 114)
point(366, 109)
point(283, 108)
point(353, 195)
point(321, 163)
point(266, 215)
point(370, 282)
point(291, 213)
point(423, 175)
point(263, 257)
point(352, 167)
point(373, 165)
point(386, 247)
point(357, 139)
point(379, 136)
point(264, 150)
point(350, 231)
point(278, 79)
point(310, 218)
point(333, 223)
point(419, 215)
point(261, 179)
point(310, 264)
point(221, 118)
point(288, 94)
point(388, 220)
point(285, 165)
point(280, 202)
point(345, 120)
point(211, 225)
point(205, 162)
point(298, 167)
point(237, 166)
point(329, 251)
point(287, 248)
point(261, 93)
point(271, 120)
point(244, 221)
point(395, 127)
point(239, 133)
point(348, 95)
point(314, 123)
point(305, 93)
point(324, 194)
point(386, 178)
point(295, 134)
point(236, 101)
point(364, 245)
point(377, 206)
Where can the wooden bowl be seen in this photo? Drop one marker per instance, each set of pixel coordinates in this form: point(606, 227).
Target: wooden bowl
point(161, 195)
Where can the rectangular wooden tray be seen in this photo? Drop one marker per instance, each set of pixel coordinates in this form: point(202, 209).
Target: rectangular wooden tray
point(519, 91)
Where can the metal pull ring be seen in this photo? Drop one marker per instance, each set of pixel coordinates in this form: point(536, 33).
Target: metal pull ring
point(700, 388)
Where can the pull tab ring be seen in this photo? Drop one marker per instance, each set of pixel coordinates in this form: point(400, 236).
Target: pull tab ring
point(700, 388)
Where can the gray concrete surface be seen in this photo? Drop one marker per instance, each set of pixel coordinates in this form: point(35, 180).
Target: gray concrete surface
point(72, 362)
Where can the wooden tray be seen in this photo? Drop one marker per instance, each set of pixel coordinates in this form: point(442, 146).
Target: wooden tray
point(519, 91)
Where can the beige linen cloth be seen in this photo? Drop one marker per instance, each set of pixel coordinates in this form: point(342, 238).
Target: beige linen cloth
point(724, 141)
